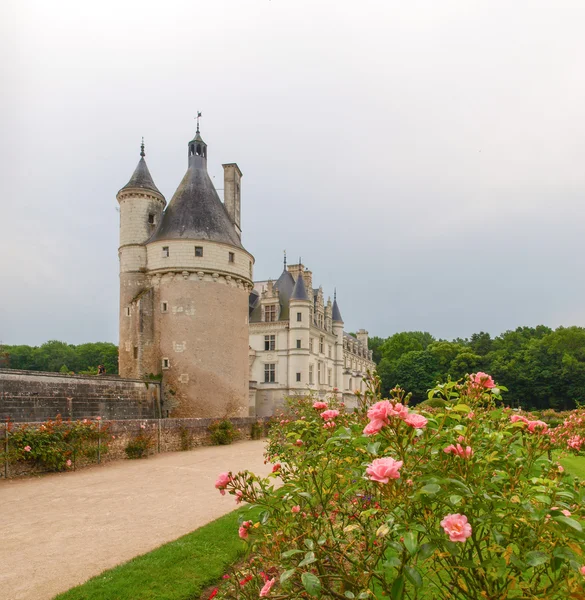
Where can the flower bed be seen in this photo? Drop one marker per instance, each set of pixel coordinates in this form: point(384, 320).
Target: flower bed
point(461, 502)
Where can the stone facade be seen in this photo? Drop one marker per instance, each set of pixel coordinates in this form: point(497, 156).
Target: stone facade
point(185, 280)
point(298, 346)
point(38, 396)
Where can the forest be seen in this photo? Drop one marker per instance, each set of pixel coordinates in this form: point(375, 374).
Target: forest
point(61, 357)
point(540, 367)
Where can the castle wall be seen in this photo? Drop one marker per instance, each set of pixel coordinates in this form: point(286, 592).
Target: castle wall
point(38, 396)
point(204, 336)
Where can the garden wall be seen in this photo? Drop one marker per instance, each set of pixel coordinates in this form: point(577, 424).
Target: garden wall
point(37, 396)
point(165, 435)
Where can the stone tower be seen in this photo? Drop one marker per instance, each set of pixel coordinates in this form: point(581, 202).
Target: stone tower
point(184, 291)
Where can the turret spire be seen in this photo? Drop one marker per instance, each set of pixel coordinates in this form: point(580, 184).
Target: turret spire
point(141, 178)
point(285, 260)
point(142, 148)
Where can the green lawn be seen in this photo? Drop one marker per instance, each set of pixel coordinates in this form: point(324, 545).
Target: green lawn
point(180, 570)
point(574, 465)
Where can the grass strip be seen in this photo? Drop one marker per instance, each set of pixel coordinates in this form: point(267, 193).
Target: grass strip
point(179, 570)
point(574, 465)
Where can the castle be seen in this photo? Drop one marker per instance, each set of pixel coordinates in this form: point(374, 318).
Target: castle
point(189, 308)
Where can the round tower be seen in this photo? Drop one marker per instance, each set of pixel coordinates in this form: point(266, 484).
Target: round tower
point(299, 333)
point(141, 207)
point(338, 333)
point(202, 277)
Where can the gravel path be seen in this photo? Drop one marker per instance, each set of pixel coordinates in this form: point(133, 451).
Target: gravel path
point(60, 530)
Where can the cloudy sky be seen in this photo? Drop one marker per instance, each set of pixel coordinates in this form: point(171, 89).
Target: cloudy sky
point(426, 157)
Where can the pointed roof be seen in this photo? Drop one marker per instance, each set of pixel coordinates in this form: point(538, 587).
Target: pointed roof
point(336, 313)
point(300, 291)
point(141, 178)
point(195, 212)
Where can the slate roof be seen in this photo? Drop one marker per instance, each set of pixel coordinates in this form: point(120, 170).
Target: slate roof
point(336, 313)
point(141, 178)
point(195, 212)
point(300, 291)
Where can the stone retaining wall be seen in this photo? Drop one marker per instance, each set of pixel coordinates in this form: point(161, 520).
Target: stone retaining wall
point(27, 396)
point(166, 435)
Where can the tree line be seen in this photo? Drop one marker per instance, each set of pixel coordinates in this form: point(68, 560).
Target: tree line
point(60, 357)
point(540, 367)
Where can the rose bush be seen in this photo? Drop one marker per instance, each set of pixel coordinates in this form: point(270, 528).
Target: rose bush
point(461, 502)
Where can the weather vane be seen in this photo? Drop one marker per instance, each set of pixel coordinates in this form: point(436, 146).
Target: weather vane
point(198, 117)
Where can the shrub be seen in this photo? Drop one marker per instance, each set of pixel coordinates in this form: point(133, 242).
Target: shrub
point(257, 430)
point(222, 432)
point(55, 444)
point(139, 446)
point(458, 504)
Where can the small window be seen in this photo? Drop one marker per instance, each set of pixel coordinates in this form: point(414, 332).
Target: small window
point(329, 377)
point(269, 342)
point(298, 343)
point(321, 344)
point(299, 316)
point(127, 311)
point(311, 344)
point(165, 252)
point(298, 376)
point(151, 219)
point(250, 268)
point(166, 363)
point(310, 374)
point(231, 257)
point(164, 307)
point(135, 352)
point(198, 250)
point(269, 373)
point(270, 313)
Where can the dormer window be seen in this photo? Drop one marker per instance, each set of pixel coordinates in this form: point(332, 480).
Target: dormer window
point(231, 257)
point(165, 251)
point(198, 250)
point(151, 219)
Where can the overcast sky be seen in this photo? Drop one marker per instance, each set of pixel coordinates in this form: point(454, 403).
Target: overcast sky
point(425, 157)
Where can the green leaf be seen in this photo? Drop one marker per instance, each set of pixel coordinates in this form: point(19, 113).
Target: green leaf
point(535, 558)
point(462, 408)
point(410, 542)
point(286, 575)
point(310, 544)
point(373, 448)
point(349, 594)
point(397, 588)
point(426, 550)
point(570, 522)
point(309, 559)
point(542, 498)
point(290, 553)
point(311, 583)
point(413, 576)
point(564, 552)
point(430, 488)
point(455, 499)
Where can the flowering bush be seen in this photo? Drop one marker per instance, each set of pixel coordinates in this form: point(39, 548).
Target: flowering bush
point(222, 432)
point(459, 503)
point(570, 434)
point(54, 444)
point(140, 444)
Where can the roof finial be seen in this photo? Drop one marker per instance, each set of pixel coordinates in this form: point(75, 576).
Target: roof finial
point(142, 148)
point(285, 260)
point(335, 294)
point(198, 117)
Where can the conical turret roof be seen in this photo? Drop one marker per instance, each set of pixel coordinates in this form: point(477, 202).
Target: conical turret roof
point(195, 212)
point(285, 285)
point(335, 312)
point(141, 178)
point(300, 291)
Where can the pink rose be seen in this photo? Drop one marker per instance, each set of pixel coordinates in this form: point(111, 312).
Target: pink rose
point(582, 570)
point(379, 411)
point(482, 380)
point(239, 496)
point(320, 405)
point(456, 527)
point(27, 448)
point(517, 418)
point(328, 415)
point(566, 512)
point(470, 415)
point(98, 418)
point(329, 425)
point(398, 410)
point(374, 427)
point(532, 425)
point(384, 469)
point(415, 420)
point(276, 467)
point(267, 586)
point(561, 469)
point(222, 480)
point(295, 509)
point(450, 449)
point(461, 438)
point(243, 533)
point(69, 463)
point(299, 443)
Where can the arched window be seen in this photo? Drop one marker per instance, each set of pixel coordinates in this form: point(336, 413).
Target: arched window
point(198, 149)
point(191, 149)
